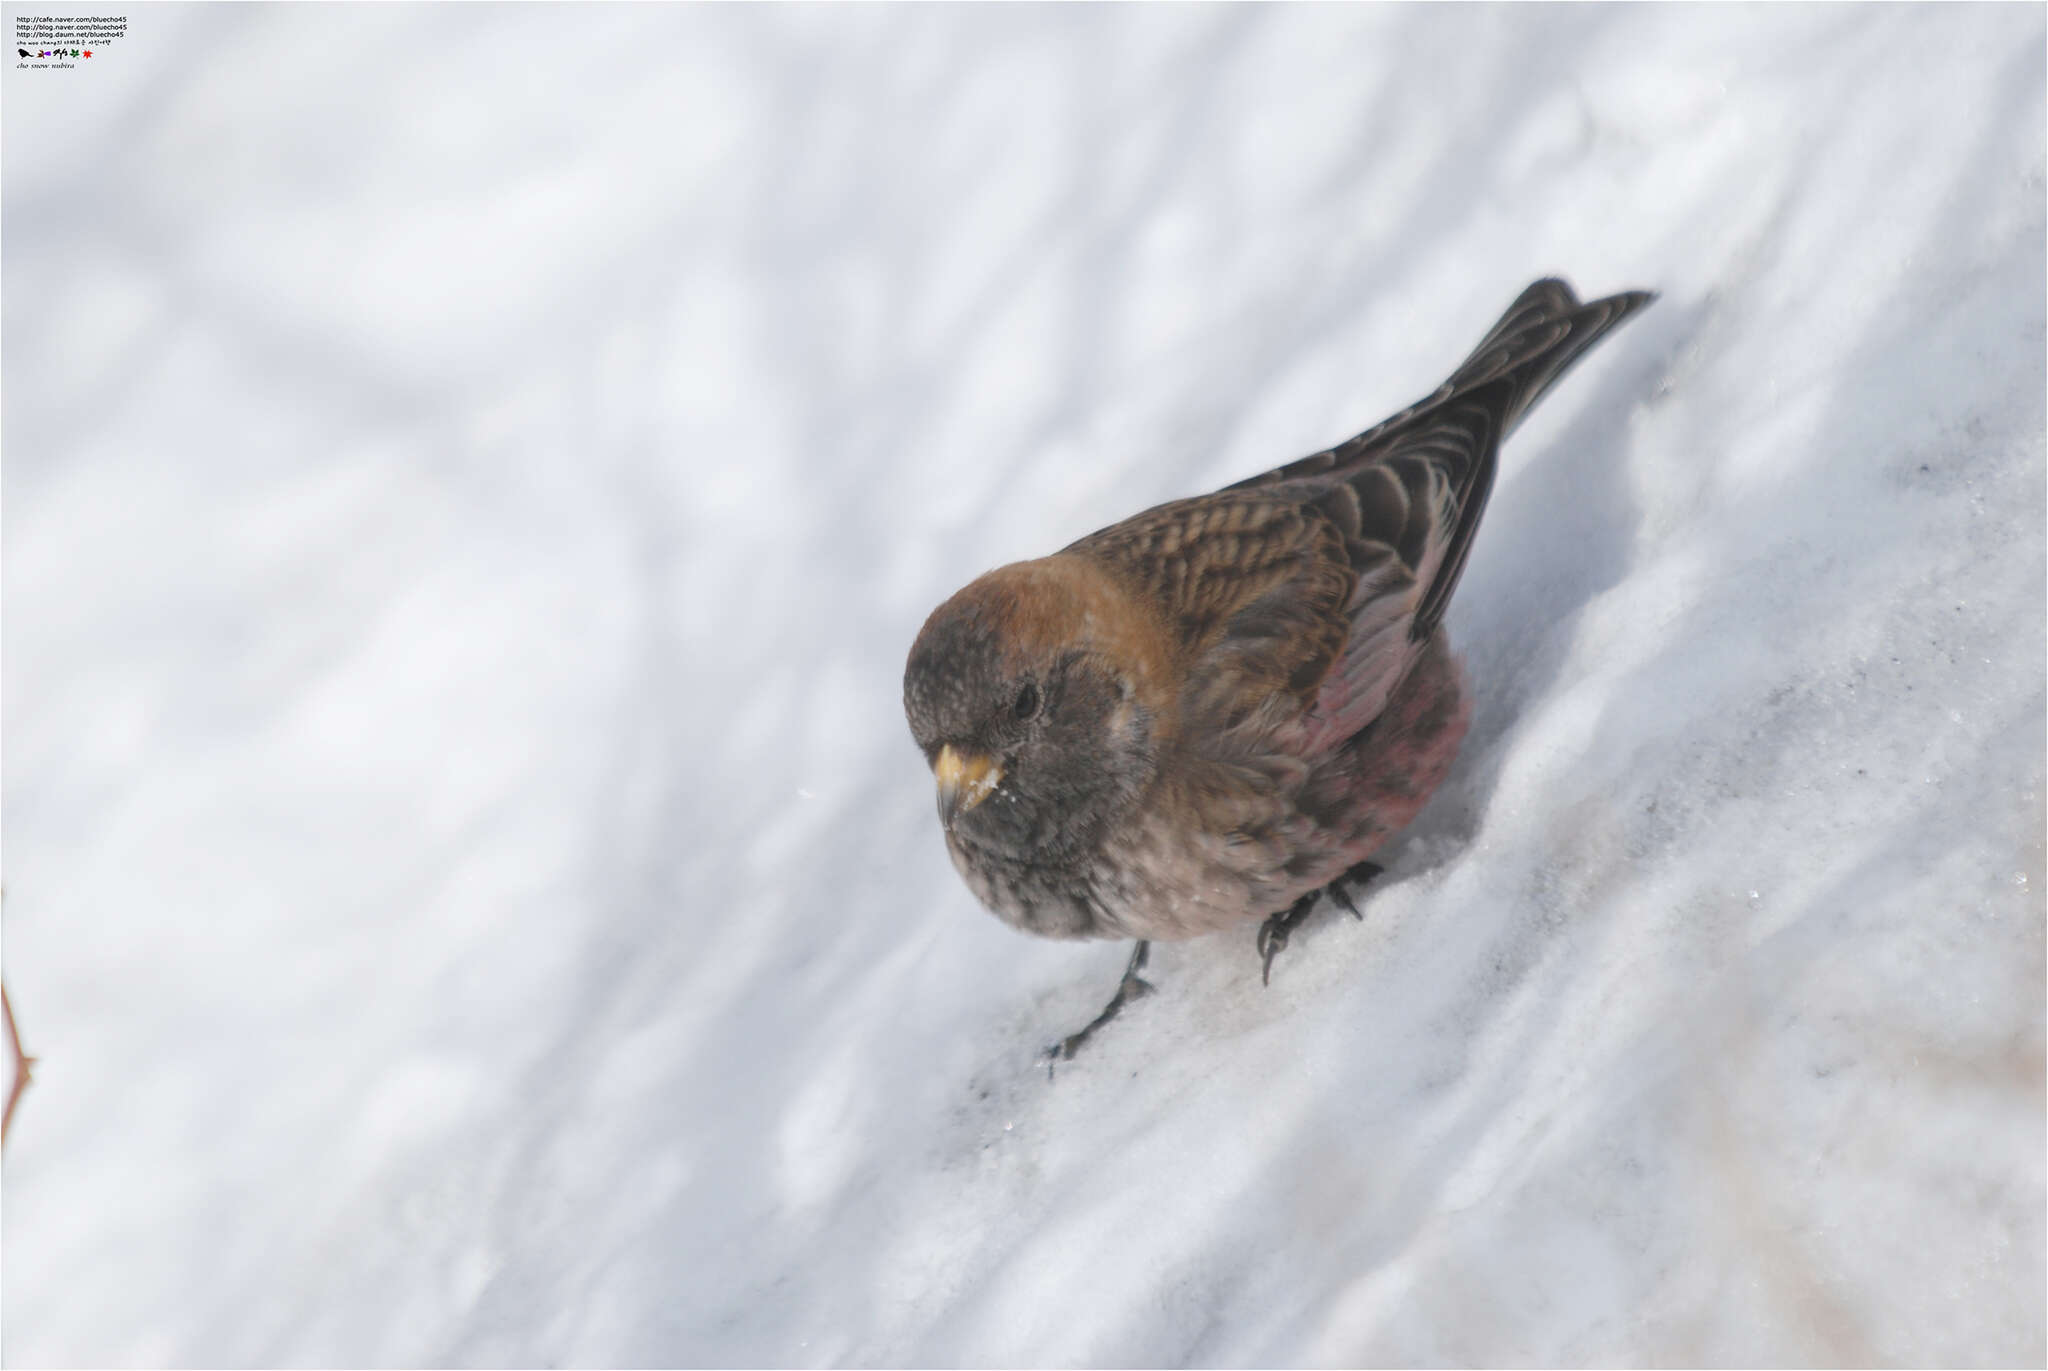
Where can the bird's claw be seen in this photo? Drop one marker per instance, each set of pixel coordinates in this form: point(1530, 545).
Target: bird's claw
point(1271, 940)
point(1340, 889)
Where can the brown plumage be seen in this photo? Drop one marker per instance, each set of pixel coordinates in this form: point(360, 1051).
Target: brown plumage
point(1218, 708)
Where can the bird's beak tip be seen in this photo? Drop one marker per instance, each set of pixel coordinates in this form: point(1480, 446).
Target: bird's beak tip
point(964, 779)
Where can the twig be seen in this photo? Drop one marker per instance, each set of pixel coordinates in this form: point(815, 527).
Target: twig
point(24, 1065)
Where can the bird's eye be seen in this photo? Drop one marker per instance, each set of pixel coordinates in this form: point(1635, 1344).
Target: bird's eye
point(1027, 701)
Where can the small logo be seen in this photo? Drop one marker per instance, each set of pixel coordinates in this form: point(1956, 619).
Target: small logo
point(22, 51)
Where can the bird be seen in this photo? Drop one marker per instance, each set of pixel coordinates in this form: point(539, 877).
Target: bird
point(1219, 709)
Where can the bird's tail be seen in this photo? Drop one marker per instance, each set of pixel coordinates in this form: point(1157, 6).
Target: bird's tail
point(1543, 333)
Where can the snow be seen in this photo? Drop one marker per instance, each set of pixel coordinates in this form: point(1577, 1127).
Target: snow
point(472, 476)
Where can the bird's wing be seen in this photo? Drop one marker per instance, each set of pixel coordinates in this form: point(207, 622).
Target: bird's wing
point(1295, 603)
point(1253, 589)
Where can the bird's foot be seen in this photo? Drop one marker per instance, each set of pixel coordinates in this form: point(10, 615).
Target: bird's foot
point(1132, 987)
point(1273, 934)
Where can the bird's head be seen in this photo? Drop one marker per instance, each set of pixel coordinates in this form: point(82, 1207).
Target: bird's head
point(1038, 705)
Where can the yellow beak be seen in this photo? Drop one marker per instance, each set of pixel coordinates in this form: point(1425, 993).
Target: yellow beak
point(965, 779)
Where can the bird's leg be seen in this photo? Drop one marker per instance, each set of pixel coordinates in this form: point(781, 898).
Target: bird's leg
point(1274, 932)
point(1132, 987)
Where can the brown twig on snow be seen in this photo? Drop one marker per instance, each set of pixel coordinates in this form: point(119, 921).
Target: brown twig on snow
point(24, 1065)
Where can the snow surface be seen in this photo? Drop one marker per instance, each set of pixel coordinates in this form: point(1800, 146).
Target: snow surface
point(473, 475)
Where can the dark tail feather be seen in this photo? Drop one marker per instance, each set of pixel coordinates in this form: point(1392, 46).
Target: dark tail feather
point(1544, 331)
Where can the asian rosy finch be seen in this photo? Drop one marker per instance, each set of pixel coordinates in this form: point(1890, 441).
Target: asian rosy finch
point(1218, 709)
